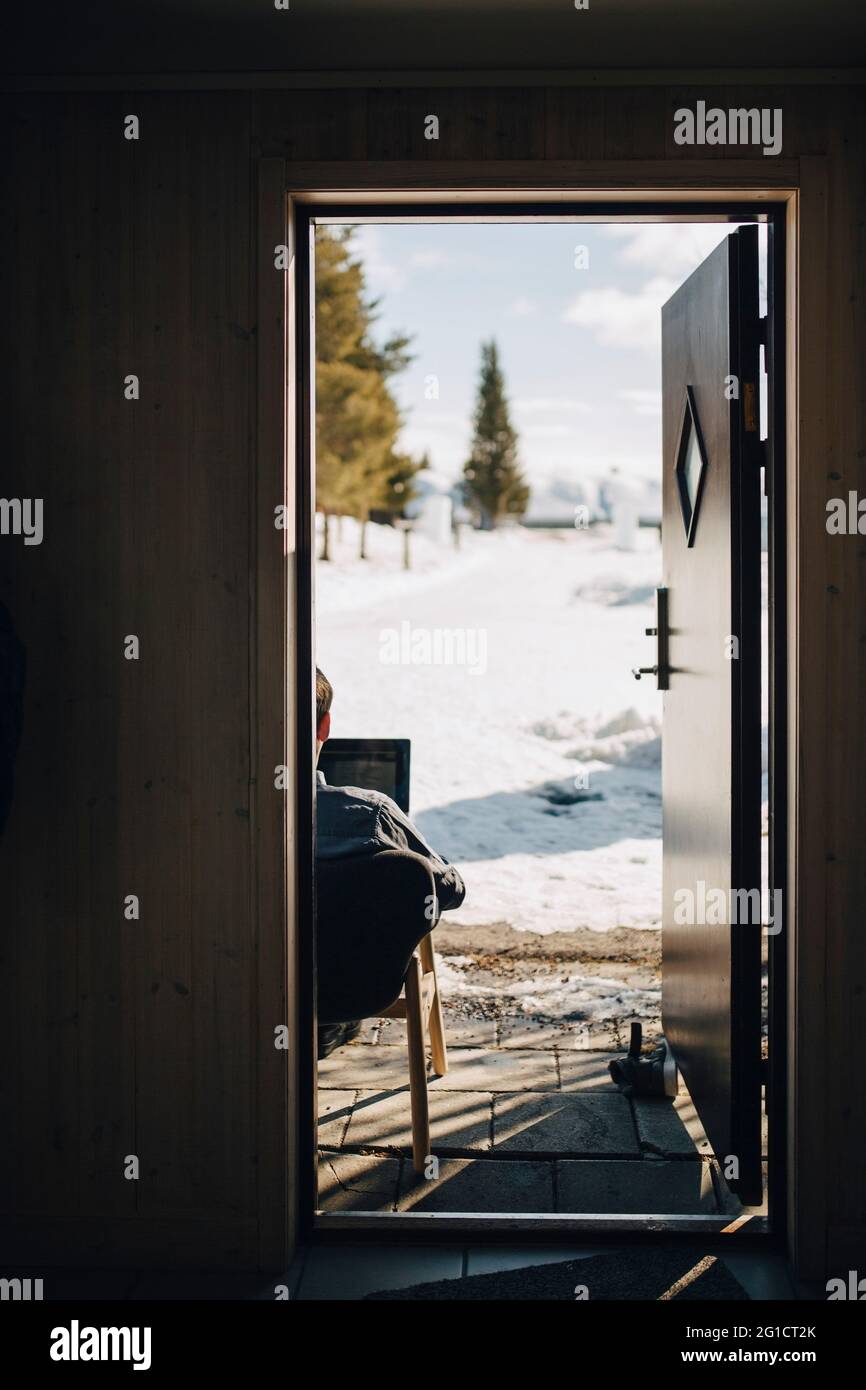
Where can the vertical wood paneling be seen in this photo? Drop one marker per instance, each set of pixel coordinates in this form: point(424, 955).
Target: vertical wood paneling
point(328, 124)
point(634, 123)
point(191, 594)
point(103, 325)
point(845, 661)
point(223, 347)
point(807, 599)
point(274, 634)
point(474, 123)
point(159, 686)
point(574, 122)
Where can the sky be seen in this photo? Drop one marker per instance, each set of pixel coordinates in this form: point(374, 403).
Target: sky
point(574, 309)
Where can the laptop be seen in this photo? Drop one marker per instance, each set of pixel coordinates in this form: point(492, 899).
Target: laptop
point(379, 764)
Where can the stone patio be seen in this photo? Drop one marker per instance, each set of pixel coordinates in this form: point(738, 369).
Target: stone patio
point(525, 1121)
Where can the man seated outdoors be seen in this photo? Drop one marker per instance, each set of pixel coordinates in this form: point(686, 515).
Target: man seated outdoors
point(351, 821)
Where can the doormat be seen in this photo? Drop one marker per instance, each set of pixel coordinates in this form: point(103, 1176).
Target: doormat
point(654, 1275)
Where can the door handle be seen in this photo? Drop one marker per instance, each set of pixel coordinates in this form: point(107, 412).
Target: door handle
point(661, 670)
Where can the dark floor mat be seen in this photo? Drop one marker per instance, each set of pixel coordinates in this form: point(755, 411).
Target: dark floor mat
point(654, 1275)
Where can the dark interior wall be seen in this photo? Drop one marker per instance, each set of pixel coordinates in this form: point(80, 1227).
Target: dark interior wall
point(130, 1036)
point(141, 1037)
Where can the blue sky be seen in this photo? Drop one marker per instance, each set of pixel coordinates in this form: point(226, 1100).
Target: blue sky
point(580, 347)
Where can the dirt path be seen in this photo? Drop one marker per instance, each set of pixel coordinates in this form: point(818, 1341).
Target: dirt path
point(496, 972)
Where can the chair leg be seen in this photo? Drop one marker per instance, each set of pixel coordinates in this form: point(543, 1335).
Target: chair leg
point(417, 1067)
point(436, 1024)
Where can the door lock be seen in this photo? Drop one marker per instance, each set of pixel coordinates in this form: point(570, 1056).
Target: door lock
point(661, 670)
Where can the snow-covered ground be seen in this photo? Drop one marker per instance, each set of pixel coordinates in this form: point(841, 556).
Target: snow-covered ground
point(536, 764)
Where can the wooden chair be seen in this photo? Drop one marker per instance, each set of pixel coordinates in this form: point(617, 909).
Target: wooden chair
point(421, 1005)
point(375, 960)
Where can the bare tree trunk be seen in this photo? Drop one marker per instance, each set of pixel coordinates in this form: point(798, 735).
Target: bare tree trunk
point(362, 555)
point(326, 538)
point(407, 561)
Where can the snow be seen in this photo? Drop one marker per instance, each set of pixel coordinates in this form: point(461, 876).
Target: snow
point(538, 770)
point(592, 999)
point(346, 584)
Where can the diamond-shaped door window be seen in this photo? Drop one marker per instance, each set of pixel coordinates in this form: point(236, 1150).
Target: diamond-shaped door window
point(691, 465)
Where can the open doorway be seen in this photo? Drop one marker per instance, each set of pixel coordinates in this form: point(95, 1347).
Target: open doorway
point(502, 650)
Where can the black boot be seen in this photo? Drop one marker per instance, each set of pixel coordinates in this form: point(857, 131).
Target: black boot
point(334, 1035)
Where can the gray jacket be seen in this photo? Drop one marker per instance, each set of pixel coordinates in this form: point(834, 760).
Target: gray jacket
point(352, 821)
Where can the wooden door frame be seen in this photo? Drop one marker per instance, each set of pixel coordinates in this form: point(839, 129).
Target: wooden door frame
point(799, 185)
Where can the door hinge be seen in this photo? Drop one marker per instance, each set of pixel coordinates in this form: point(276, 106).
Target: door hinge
point(750, 407)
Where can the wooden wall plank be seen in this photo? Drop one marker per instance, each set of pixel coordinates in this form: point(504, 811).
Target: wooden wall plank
point(190, 596)
point(574, 122)
point(159, 685)
point(843, 470)
point(474, 123)
point(310, 124)
point(275, 832)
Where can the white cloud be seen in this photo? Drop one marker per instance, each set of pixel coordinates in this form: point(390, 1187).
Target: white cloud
point(668, 247)
point(644, 400)
point(623, 319)
point(383, 273)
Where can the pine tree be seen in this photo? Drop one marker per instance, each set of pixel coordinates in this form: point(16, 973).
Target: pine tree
point(493, 484)
point(357, 420)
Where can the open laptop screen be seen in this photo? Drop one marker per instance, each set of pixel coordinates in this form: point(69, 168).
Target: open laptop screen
point(378, 764)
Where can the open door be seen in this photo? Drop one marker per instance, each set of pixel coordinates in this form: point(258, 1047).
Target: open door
point(710, 669)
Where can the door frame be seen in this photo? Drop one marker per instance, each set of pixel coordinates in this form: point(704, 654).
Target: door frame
point(624, 190)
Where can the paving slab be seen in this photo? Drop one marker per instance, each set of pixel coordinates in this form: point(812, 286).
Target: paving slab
point(470, 1032)
point(458, 1120)
point(623, 1187)
point(483, 1069)
point(585, 1125)
point(671, 1128)
point(518, 1032)
point(479, 1185)
point(587, 1071)
point(459, 1032)
point(335, 1108)
point(365, 1066)
point(357, 1182)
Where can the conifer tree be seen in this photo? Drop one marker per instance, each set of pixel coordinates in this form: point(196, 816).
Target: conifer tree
point(357, 420)
point(493, 484)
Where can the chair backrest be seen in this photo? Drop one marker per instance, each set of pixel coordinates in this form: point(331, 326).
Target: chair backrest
point(371, 913)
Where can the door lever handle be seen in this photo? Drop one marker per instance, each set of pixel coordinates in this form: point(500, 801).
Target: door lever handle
point(661, 670)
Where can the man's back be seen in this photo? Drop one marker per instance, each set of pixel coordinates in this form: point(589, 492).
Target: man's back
point(353, 821)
